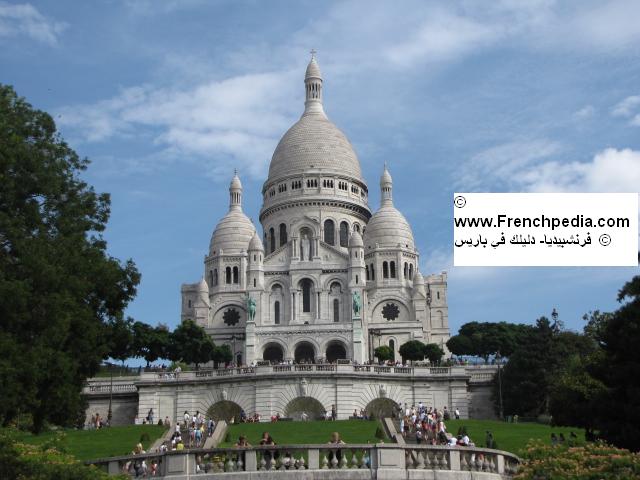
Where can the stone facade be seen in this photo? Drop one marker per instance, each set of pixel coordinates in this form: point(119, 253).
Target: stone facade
point(320, 247)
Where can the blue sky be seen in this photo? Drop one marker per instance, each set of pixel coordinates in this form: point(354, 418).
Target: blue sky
point(168, 97)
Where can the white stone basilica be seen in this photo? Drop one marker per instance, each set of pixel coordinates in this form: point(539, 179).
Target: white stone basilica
point(321, 251)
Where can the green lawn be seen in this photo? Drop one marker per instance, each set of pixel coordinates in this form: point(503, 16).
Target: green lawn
point(295, 433)
point(94, 444)
point(512, 437)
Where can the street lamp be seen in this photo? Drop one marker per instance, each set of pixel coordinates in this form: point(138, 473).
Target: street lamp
point(499, 359)
point(109, 412)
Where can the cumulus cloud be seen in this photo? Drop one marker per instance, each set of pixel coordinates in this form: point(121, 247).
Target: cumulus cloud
point(585, 113)
point(235, 122)
point(25, 20)
point(529, 167)
point(628, 108)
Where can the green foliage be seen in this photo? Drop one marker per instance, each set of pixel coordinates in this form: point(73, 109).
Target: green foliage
point(47, 461)
point(412, 350)
point(592, 461)
point(486, 339)
point(383, 353)
point(58, 286)
point(119, 335)
point(222, 354)
point(380, 433)
point(433, 352)
point(190, 343)
point(619, 421)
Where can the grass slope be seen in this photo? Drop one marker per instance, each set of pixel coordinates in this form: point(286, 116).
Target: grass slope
point(511, 437)
point(296, 433)
point(93, 444)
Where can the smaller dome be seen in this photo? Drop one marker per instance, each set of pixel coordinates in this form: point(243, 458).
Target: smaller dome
point(418, 279)
point(313, 69)
point(388, 228)
point(255, 243)
point(202, 285)
point(232, 234)
point(235, 182)
point(385, 179)
point(355, 240)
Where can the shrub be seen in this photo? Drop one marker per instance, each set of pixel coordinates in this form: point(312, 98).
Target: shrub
point(144, 438)
point(593, 461)
point(20, 460)
point(380, 433)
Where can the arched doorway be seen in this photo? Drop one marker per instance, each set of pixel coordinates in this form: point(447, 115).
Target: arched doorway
point(335, 351)
point(224, 410)
point(273, 353)
point(304, 353)
point(382, 408)
point(308, 405)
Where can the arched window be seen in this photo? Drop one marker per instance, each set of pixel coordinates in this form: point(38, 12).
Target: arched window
point(272, 240)
point(283, 234)
point(215, 277)
point(357, 279)
point(329, 232)
point(189, 303)
point(265, 243)
point(344, 234)
point(227, 276)
point(235, 275)
point(254, 282)
point(385, 270)
point(336, 310)
point(406, 270)
point(210, 277)
point(393, 269)
point(366, 269)
point(373, 272)
point(356, 227)
point(411, 271)
point(306, 295)
point(276, 312)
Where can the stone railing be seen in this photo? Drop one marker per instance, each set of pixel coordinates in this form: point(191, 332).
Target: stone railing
point(474, 374)
point(349, 461)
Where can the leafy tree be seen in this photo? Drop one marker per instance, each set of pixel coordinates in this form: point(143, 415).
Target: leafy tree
point(191, 343)
point(383, 353)
point(222, 355)
point(58, 286)
point(433, 352)
point(618, 418)
point(412, 350)
point(120, 338)
point(486, 339)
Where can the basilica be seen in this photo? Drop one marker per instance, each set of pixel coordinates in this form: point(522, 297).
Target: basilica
point(327, 279)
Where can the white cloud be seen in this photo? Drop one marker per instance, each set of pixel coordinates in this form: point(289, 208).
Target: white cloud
point(584, 113)
point(527, 166)
point(25, 19)
point(628, 108)
point(234, 122)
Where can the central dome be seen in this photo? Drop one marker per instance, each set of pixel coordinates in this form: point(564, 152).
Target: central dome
point(314, 143)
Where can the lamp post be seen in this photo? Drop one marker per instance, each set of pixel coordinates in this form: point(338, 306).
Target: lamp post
point(499, 359)
point(374, 332)
point(109, 412)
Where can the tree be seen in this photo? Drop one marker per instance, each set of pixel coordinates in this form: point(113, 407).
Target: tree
point(58, 286)
point(618, 418)
point(120, 338)
point(222, 355)
point(433, 352)
point(191, 344)
point(383, 353)
point(487, 339)
point(412, 350)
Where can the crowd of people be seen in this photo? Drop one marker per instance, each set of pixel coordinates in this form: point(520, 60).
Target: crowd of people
point(427, 426)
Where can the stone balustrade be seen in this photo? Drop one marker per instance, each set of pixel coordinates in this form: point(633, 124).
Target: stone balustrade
point(479, 374)
point(349, 461)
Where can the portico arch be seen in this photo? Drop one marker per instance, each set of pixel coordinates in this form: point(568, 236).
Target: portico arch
point(273, 352)
point(304, 352)
point(307, 405)
point(224, 410)
point(336, 350)
point(382, 408)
